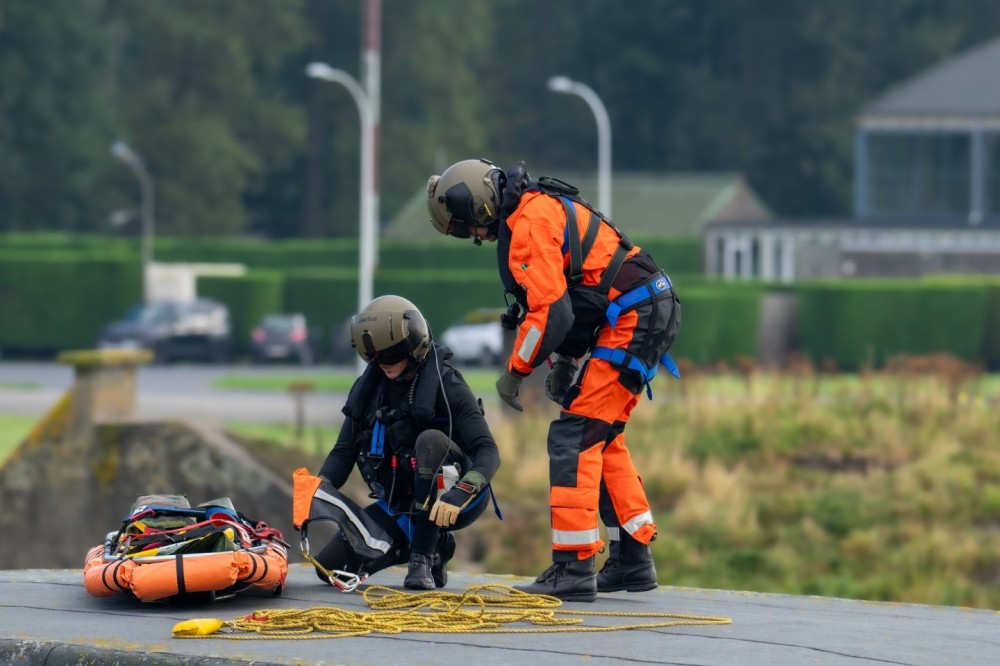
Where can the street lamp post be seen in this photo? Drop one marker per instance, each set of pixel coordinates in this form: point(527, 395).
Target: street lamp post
point(367, 250)
point(133, 161)
point(563, 84)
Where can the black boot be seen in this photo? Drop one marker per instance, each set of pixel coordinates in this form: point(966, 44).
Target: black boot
point(419, 577)
point(445, 551)
point(629, 567)
point(569, 581)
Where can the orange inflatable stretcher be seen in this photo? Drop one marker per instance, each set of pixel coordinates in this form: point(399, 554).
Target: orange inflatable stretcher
point(166, 548)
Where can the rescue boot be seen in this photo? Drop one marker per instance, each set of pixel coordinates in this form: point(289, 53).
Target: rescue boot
point(629, 567)
point(445, 551)
point(418, 576)
point(569, 581)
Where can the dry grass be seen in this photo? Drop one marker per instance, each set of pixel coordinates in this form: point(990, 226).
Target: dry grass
point(880, 486)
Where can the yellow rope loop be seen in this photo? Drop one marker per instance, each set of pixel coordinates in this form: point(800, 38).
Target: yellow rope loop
point(493, 608)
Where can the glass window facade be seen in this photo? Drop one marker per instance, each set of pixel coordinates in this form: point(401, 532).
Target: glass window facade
point(992, 168)
point(920, 174)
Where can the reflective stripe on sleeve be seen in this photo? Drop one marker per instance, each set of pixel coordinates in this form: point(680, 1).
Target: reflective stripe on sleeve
point(530, 343)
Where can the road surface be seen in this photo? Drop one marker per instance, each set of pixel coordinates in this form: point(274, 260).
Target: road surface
point(176, 392)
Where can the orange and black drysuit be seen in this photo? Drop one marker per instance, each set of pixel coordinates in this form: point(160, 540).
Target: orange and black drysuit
point(585, 288)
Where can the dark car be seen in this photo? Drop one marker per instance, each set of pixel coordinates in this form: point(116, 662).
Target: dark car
point(173, 330)
point(282, 337)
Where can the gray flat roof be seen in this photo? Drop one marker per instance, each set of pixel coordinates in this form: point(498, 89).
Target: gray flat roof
point(46, 616)
point(961, 92)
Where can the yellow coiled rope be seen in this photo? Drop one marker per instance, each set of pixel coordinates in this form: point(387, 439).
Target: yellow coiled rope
point(482, 609)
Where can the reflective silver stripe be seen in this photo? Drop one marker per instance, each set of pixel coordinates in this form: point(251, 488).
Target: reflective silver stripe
point(530, 342)
point(615, 533)
point(578, 538)
point(633, 525)
point(372, 542)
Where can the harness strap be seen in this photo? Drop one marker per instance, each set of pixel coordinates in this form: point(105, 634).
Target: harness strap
point(625, 359)
point(611, 272)
point(648, 290)
point(578, 250)
point(576, 254)
point(378, 439)
point(593, 226)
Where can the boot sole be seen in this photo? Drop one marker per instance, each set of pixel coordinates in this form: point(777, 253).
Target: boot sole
point(645, 587)
point(578, 596)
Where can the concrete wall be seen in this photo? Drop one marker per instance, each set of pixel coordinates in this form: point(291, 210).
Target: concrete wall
point(78, 472)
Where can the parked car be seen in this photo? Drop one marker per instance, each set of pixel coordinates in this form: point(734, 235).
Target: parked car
point(341, 350)
point(282, 337)
point(477, 338)
point(195, 330)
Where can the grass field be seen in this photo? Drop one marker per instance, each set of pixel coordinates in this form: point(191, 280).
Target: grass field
point(13, 429)
point(881, 486)
point(872, 486)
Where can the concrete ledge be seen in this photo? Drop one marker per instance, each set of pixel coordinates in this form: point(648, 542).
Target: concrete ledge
point(47, 617)
point(62, 654)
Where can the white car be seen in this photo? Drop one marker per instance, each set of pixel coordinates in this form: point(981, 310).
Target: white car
point(477, 338)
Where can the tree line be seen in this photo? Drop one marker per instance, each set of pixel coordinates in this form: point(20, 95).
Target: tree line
point(213, 95)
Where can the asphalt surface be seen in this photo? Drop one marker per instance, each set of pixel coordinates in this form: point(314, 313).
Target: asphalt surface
point(181, 391)
point(47, 617)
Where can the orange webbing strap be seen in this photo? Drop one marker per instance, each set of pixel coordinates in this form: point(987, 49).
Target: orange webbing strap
point(305, 486)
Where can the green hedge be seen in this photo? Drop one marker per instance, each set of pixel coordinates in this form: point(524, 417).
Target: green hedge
point(717, 323)
point(329, 297)
point(248, 297)
point(674, 255)
point(51, 302)
point(863, 323)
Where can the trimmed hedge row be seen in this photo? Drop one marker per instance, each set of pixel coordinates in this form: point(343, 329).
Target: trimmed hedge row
point(249, 298)
point(717, 323)
point(50, 303)
point(56, 294)
point(675, 255)
point(862, 323)
point(329, 298)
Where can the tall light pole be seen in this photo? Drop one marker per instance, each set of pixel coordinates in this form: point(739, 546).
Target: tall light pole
point(563, 84)
point(134, 161)
point(366, 251)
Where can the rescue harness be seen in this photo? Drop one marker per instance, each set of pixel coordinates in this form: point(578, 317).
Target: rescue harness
point(656, 286)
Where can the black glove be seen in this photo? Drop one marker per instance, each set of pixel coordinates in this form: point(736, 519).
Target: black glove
point(447, 507)
point(560, 378)
point(508, 386)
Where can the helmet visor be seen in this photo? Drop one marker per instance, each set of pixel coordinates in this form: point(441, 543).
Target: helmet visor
point(392, 355)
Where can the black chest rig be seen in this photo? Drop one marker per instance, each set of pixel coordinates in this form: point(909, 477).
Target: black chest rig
point(590, 302)
point(388, 419)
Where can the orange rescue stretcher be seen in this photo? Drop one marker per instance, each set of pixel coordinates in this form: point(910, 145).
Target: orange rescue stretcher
point(166, 548)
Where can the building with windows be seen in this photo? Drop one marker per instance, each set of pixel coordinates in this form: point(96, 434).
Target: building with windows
point(926, 189)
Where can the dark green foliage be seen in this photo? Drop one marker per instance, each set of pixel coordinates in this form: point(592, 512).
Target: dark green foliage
point(50, 303)
point(214, 96)
point(862, 323)
point(248, 297)
point(717, 323)
point(330, 297)
point(55, 120)
point(674, 255)
point(255, 253)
